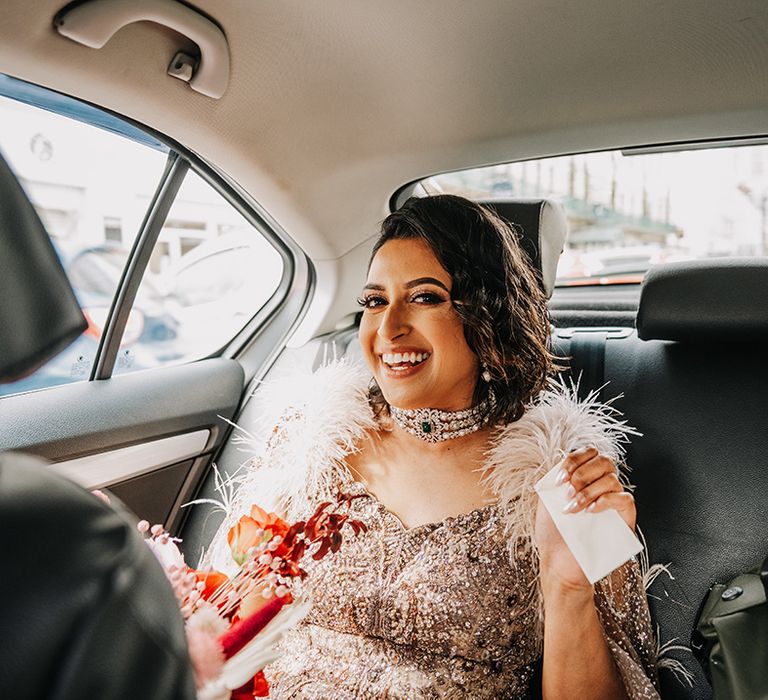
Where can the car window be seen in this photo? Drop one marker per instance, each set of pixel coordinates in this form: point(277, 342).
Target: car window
point(93, 178)
point(91, 188)
point(210, 272)
point(630, 210)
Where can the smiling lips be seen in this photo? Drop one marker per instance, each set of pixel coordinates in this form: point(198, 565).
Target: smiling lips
point(403, 361)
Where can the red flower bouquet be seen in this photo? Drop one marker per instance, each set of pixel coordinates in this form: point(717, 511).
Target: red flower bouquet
point(234, 623)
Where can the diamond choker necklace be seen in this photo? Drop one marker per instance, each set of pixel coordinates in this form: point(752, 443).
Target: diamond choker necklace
point(432, 425)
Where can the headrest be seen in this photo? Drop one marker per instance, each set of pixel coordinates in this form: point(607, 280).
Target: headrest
point(39, 314)
point(716, 298)
point(543, 225)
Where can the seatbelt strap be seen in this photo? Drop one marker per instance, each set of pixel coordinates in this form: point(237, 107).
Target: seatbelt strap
point(587, 366)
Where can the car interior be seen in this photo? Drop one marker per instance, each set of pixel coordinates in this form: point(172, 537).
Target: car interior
point(301, 126)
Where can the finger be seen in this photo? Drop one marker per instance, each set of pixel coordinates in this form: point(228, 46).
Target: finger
point(608, 483)
point(623, 502)
point(590, 471)
point(573, 461)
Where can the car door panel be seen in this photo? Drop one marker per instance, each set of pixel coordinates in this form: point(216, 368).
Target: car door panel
point(146, 436)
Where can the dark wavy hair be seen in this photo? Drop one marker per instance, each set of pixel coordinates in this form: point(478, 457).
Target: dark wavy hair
point(496, 292)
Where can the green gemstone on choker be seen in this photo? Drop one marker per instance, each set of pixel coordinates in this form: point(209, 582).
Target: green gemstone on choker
point(433, 425)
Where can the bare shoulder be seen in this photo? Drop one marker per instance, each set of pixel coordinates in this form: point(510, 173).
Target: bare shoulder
point(367, 453)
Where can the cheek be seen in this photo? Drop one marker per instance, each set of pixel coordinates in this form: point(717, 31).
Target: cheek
point(461, 354)
point(453, 334)
point(366, 335)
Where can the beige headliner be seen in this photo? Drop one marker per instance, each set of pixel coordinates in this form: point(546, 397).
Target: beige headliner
point(332, 104)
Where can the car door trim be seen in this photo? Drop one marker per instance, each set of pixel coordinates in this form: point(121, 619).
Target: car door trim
point(114, 466)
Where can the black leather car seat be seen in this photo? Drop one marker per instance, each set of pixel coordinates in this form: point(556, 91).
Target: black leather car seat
point(39, 315)
point(695, 383)
point(85, 609)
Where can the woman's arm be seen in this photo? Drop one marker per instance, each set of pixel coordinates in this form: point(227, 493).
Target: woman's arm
point(577, 659)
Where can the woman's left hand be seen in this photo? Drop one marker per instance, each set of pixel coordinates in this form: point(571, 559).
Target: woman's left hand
point(594, 486)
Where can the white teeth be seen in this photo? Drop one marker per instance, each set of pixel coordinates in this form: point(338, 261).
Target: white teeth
point(398, 358)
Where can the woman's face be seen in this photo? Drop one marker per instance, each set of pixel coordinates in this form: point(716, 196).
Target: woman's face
point(410, 333)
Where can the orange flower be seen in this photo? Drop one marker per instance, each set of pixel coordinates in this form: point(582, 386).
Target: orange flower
point(212, 580)
point(244, 535)
point(255, 601)
point(269, 521)
point(254, 529)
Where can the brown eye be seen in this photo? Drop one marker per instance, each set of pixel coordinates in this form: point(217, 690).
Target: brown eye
point(371, 301)
point(427, 298)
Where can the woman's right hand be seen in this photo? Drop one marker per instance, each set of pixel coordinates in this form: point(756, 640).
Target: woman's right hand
point(593, 485)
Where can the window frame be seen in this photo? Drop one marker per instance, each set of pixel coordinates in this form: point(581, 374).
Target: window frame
point(296, 265)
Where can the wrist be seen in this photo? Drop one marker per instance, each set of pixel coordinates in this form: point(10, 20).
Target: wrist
point(556, 589)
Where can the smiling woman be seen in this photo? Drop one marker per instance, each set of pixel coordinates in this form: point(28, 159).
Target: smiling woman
point(461, 586)
point(497, 302)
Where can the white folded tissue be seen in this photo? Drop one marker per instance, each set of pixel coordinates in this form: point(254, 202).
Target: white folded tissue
point(600, 542)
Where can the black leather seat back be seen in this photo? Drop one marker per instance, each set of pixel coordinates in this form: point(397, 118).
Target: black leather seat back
point(39, 314)
point(701, 470)
point(698, 391)
point(542, 226)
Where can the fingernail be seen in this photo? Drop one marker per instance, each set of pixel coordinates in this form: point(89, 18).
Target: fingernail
point(570, 491)
point(572, 505)
point(591, 507)
point(562, 477)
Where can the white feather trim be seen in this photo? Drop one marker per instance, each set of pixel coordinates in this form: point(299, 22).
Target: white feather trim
point(315, 420)
point(307, 425)
point(525, 450)
point(677, 667)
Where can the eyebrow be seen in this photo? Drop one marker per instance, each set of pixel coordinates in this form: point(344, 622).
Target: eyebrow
point(410, 285)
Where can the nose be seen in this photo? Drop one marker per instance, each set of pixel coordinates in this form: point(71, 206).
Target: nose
point(394, 322)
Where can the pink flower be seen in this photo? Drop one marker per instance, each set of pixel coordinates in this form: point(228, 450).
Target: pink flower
point(167, 553)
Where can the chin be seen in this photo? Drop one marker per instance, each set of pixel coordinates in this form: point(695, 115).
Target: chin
point(401, 400)
point(414, 400)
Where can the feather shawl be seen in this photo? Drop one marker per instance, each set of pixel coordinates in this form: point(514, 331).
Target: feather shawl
point(309, 423)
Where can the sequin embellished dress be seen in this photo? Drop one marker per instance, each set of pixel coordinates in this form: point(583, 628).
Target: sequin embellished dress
point(440, 611)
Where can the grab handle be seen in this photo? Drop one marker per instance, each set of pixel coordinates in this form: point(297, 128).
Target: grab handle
point(94, 22)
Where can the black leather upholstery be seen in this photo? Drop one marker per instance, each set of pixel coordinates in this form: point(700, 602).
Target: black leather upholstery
point(700, 466)
point(714, 299)
point(86, 611)
point(700, 470)
point(39, 315)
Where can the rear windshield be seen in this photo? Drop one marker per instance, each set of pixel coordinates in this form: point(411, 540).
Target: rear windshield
point(630, 210)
